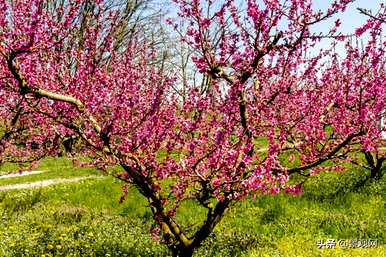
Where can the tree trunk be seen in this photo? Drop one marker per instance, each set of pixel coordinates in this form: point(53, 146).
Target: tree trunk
point(375, 164)
point(376, 171)
point(373, 173)
point(182, 251)
point(214, 216)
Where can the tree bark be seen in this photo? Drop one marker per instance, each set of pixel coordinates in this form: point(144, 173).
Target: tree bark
point(375, 162)
point(182, 251)
point(376, 171)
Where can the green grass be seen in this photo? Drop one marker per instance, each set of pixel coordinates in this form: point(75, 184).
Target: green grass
point(85, 219)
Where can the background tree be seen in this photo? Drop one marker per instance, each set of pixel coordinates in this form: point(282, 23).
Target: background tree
point(366, 63)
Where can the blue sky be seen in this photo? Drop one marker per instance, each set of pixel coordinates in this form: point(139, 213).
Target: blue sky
point(351, 18)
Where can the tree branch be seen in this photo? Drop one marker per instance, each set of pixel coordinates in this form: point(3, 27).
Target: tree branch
point(326, 157)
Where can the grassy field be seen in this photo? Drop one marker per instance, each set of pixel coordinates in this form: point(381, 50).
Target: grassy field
point(85, 219)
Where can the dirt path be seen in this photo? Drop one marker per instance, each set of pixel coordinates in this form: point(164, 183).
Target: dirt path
point(47, 182)
point(21, 174)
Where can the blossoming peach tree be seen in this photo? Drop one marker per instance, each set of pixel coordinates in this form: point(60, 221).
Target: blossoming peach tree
point(368, 64)
point(268, 111)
